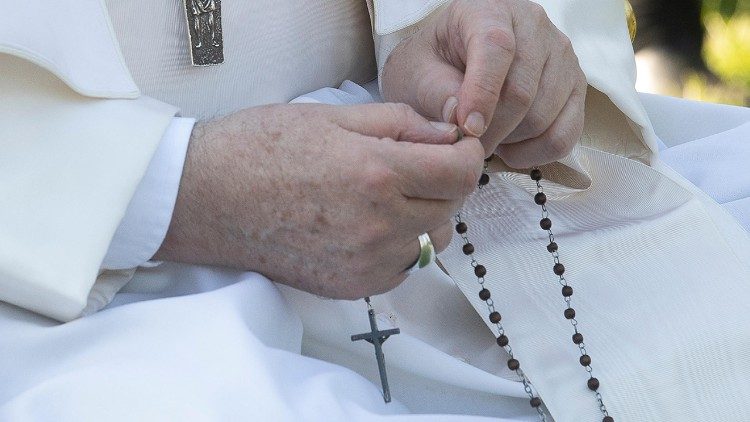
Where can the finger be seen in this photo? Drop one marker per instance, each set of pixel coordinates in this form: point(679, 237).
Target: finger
point(440, 237)
point(553, 144)
point(395, 121)
point(489, 45)
point(560, 75)
point(435, 171)
point(434, 90)
point(521, 88)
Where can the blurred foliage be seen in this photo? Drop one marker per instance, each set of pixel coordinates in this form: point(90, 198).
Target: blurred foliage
point(726, 51)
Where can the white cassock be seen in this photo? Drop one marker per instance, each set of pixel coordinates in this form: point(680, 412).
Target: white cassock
point(88, 165)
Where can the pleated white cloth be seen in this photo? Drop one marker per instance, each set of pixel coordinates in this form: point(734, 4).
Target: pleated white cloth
point(201, 344)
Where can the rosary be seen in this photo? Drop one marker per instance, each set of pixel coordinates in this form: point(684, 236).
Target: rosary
point(377, 337)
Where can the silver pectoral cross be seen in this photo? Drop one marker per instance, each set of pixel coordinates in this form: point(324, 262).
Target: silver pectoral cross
point(377, 338)
point(204, 26)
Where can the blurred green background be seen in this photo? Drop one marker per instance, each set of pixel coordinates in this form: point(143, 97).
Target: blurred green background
point(698, 49)
point(726, 50)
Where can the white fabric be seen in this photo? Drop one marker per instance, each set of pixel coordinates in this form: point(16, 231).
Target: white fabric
point(66, 190)
point(445, 351)
point(274, 50)
point(185, 342)
point(142, 230)
point(73, 40)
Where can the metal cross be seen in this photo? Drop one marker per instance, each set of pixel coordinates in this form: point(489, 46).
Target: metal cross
point(377, 338)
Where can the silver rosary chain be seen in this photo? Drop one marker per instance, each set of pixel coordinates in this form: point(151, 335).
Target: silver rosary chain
point(573, 321)
point(500, 330)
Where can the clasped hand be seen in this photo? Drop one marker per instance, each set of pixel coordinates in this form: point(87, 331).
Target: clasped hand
point(502, 71)
point(327, 199)
point(331, 200)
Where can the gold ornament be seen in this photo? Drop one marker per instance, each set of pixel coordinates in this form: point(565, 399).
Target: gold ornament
point(630, 16)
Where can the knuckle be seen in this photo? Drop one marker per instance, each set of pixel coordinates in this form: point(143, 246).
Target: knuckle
point(470, 178)
point(521, 94)
point(560, 145)
point(373, 234)
point(536, 123)
point(401, 112)
point(537, 11)
point(377, 181)
point(498, 38)
point(487, 85)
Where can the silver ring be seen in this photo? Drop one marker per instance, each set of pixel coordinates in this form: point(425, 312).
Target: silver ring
point(426, 254)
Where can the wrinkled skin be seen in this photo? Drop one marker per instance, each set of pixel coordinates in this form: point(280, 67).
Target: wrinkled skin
point(500, 70)
point(326, 199)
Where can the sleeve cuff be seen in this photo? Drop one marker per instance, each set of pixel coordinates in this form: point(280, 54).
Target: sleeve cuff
point(142, 230)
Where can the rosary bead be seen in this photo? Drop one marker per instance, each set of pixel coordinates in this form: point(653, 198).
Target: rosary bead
point(495, 317)
point(593, 384)
point(540, 198)
point(552, 247)
point(559, 269)
point(536, 175)
point(577, 338)
point(468, 249)
point(480, 271)
point(570, 313)
point(608, 419)
point(484, 294)
point(535, 402)
point(513, 364)
point(545, 223)
point(484, 179)
point(585, 360)
point(502, 340)
point(461, 228)
point(567, 291)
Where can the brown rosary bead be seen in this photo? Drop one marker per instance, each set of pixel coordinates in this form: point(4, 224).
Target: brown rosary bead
point(484, 179)
point(495, 317)
point(502, 340)
point(593, 384)
point(480, 271)
point(552, 247)
point(540, 198)
point(545, 223)
point(535, 402)
point(484, 294)
point(536, 175)
point(513, 364)
point(461, 228)
point(577, 338)
point(567, 291)
point(585, 360)
point(559, 269)
point(468, 249)
point(570, 313)
point(608, 419)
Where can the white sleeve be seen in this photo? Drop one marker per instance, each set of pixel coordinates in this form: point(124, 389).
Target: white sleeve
point(147, 217)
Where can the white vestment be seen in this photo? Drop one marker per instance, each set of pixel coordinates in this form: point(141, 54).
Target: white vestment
point(231, 352)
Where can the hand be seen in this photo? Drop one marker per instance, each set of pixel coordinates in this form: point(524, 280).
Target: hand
point(502, 71)
point(326, 199)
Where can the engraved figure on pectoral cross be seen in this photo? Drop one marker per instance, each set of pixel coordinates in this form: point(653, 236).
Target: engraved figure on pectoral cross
point(377, 338)
point(204, 11)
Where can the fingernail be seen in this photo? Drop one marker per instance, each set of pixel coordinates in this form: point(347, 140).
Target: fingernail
point(449, 109)
point(445, 127)
point(474, 125)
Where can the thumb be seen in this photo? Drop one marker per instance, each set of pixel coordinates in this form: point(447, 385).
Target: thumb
point(437, 92)
point(396, 121)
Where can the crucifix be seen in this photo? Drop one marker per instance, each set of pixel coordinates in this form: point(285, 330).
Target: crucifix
point(377, 338)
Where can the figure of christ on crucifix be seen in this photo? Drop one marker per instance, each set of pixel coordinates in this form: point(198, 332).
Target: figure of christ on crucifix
point(204, 10)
